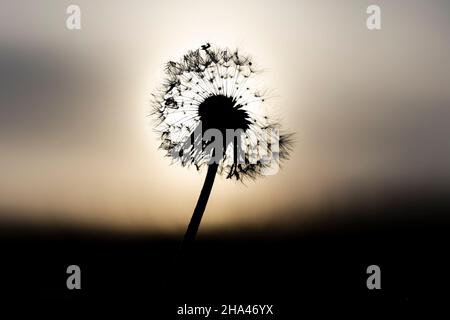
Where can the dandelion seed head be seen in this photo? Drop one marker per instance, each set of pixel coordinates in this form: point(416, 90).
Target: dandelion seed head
point(216, 88)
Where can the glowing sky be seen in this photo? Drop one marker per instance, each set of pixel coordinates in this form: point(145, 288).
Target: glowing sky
point(369, 108)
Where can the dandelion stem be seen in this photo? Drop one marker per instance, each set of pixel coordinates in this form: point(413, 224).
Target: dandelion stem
point(201, 205)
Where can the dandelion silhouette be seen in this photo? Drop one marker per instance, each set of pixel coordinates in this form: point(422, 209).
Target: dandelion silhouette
point(214, 90)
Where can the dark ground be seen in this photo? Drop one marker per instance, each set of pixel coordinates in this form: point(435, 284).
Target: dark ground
point(320, 267)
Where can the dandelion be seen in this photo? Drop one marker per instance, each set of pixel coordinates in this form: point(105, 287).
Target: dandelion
point(208, 94)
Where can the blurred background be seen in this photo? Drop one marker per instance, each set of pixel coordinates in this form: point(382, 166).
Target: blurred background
point(370, 110)
point(82, 180)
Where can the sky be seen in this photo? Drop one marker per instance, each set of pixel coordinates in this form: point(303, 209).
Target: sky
point(370, 109)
